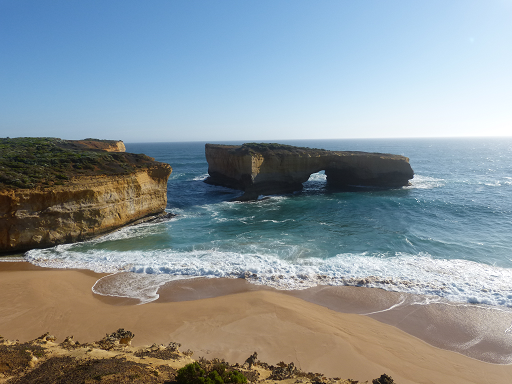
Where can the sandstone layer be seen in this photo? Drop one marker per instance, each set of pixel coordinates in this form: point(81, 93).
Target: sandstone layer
point(79, 206)
point(104, 145)
point(264, 169)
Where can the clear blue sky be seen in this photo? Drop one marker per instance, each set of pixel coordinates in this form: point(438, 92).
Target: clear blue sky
point(255, 70)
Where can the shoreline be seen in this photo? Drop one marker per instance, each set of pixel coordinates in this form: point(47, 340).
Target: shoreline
point(238, 318)
point(477, 331)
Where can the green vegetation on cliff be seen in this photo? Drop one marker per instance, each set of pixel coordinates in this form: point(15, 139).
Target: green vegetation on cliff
point(263, 147)
point(27, 162)
point(275, 149)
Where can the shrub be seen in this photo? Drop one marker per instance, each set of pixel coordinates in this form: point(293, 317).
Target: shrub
point(235, 377)
point(26, 162)
point(383, 379)
point(193, 373)
point(190, 373)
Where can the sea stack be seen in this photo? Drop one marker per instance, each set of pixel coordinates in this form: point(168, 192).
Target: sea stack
point(266, 169)
point(55, 191)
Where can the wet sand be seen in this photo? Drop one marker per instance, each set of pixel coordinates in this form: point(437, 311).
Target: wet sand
point(231, 319)
point(478, 331)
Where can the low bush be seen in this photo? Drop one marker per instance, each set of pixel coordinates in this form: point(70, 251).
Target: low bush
point(193, 373)
point(26, 162)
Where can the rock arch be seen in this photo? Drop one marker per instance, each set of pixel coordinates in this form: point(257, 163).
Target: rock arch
point(265, 169)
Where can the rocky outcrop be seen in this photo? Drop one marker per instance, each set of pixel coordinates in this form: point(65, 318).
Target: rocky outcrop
point(92, 195)
point(119, 337)
point(264, 169)
point(80, 209)
point(111, 361)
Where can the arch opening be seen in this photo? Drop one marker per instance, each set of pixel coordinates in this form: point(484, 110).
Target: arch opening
point(316, 181)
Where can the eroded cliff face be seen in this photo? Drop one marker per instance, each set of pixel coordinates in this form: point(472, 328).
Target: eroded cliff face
point(83, 208)
point(104, 145)
point(262, 169)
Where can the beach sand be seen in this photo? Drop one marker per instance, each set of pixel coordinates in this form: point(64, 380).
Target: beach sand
point(232, 319)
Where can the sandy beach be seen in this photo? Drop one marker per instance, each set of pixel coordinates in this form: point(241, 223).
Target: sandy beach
point(232, 319)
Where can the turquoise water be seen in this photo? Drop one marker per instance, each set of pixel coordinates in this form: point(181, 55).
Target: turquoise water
point(448, 235)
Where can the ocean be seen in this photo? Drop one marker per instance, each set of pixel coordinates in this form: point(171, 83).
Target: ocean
point(447, 236)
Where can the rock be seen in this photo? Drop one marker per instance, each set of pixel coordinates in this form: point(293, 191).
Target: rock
point(70, 340)
point(251, 360)
point(265, 169)
point(46, 337)
point(171, 352)
point(75, 204)
point(119, 337)
point(283, 371)
point(173, 346)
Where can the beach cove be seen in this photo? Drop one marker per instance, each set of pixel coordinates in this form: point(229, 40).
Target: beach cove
point(279, 326)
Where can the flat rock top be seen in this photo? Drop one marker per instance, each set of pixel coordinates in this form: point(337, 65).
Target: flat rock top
point(29, 162)
point(269, 149)
point(265, 148)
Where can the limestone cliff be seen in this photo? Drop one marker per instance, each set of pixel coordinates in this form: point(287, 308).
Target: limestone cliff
point(80, 205)
point(104, 145)
point(263, 169)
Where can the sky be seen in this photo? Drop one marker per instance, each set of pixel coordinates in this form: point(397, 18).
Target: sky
point(191, 70)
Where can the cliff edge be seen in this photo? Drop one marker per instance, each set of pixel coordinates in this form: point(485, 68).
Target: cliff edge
point(55, 191)
point(265, 169)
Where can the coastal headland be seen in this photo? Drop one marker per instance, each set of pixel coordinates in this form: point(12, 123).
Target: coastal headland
point(55, 191)
point(266, 169)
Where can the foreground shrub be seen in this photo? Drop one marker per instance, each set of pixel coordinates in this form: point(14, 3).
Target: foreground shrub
point(193, 373)
point(383, 379)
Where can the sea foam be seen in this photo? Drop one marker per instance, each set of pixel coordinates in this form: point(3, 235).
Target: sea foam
point(455, 280)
